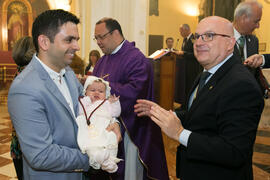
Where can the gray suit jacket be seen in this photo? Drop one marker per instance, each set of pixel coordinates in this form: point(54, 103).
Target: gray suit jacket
point(45, 125)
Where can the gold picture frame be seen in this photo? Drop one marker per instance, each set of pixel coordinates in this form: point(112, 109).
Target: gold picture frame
point(262, 47)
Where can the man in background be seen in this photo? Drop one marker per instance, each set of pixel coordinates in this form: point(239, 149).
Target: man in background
point(247, 17)
point(188, 38)
point(169, 44)
point(191, 66)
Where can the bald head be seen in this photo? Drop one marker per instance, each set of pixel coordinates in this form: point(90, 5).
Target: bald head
point(219, 24)
point(214, 41)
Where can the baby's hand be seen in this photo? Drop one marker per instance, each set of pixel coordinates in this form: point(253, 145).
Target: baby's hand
point(113, 98)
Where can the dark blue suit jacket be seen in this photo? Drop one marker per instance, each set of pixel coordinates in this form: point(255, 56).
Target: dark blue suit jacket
point(223, 120)
point(267, 60)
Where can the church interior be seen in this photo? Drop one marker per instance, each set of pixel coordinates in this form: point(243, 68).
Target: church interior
point(148, 23)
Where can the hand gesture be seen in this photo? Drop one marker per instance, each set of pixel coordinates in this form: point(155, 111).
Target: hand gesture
point(254, 61)
point(169, 123)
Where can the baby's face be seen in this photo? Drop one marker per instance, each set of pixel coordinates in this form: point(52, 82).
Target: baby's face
point(96, 91)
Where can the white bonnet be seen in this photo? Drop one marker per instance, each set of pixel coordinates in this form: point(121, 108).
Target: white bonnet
point(91, 79)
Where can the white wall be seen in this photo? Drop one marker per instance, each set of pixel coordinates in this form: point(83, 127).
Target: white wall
point(131, 14)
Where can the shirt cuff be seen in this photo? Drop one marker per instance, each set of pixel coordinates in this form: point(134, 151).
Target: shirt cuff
point(263, 61)
point(184, 136)
point(115, 120)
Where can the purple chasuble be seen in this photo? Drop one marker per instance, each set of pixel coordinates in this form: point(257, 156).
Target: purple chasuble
point(130, 75)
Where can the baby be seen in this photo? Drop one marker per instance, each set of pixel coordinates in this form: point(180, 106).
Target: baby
point(97, 110)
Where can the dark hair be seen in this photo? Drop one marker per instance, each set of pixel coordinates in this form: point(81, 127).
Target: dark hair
point(23, 51)
point(49, 22)
point(169, 38)
point(94, 53)
point(111, 24)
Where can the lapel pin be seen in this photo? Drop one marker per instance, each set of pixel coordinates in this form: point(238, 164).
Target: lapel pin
point(210, 87)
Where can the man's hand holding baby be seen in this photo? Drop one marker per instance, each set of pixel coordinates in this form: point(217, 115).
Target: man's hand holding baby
point(115, 127)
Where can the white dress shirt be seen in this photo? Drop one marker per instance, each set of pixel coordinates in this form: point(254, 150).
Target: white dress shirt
point(237, 35)
point(60, 82)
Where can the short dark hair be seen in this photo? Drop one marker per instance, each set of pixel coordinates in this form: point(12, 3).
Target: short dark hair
point(49, 22)
point(111, 24)
point(169, 38)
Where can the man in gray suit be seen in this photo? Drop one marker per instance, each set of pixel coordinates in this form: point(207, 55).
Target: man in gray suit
point(43, 102)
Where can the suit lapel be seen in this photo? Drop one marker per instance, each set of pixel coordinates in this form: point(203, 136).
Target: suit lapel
point(252, 48)
point(252, 45)
point(189, 44)
point(71, 86)
point(53, 89)
point(195, 84)
point(51, 86)
point(211, 84)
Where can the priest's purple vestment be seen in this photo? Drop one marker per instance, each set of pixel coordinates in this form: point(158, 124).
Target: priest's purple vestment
point(130, 75)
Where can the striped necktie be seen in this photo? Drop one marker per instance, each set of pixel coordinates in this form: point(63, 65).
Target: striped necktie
point(241, 43)
point(203, 78)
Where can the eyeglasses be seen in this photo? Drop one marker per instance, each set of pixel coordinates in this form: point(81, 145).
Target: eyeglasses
point(209, 36)
point(102, 37)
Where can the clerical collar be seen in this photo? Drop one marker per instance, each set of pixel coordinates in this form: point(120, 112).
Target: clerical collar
point(118, 47)
point(54, 75)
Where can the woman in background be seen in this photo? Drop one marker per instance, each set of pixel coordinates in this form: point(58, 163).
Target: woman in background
point(22, 53)
point(94, 56)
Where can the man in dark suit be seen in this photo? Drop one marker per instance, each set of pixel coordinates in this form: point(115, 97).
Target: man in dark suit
point(254, 60)
point(191, 66)
point(188, 37)
point(169, 44)
point(247, 16)
point(218, 129)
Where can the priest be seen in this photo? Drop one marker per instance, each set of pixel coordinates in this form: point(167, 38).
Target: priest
point(130, 75)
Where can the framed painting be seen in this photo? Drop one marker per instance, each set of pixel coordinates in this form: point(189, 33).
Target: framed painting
point(16, 22)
